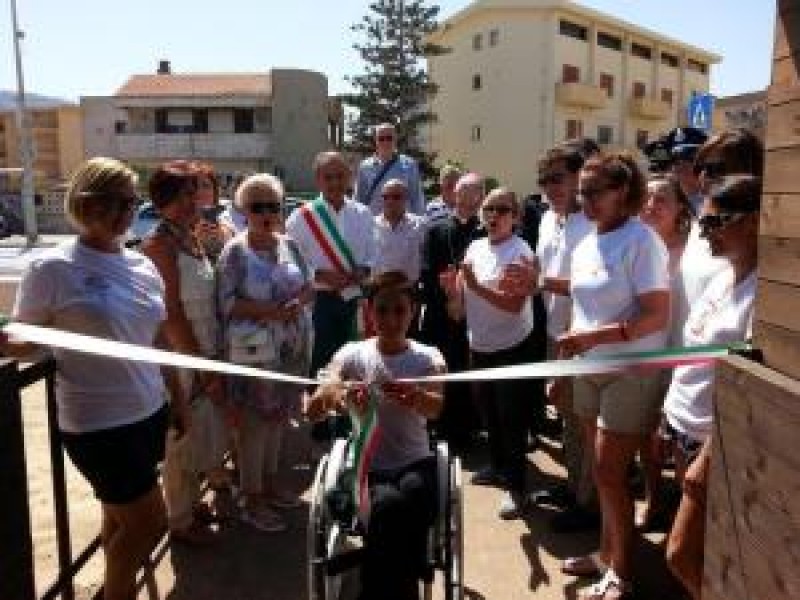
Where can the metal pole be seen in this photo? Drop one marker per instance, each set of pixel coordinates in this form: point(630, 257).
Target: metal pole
point(25, 141)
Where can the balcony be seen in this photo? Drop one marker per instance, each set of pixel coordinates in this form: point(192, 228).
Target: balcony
point(581, 95)
point(650, 108)
point(219, 146)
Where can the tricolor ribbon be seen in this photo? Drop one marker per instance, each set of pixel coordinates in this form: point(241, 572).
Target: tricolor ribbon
point(366, 437)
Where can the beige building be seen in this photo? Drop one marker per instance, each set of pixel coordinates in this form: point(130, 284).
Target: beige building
point(523, 75)
point(274, 122)
point(57, 139)
point(742, 110)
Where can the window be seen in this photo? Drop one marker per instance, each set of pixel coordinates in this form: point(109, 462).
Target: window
point(669, 60)
point(570, 74)
point(494, 37)
point(574, 129)
point(573, 30)
point(477, 41)
point(641, 138)
point(605, 134)
point(606, 40)
point(119, 126)
point(243, 120)
point(607, 83)
point(667, 96)
point(641, 51)
point(476, 133)
point(200, 120)
point(476, 82)
point(697, 66)
point(639, 89)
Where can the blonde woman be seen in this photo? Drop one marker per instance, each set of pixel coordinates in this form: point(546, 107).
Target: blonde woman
point(111, 413)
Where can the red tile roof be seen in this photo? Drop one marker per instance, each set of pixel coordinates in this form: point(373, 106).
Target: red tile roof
point(196, 84)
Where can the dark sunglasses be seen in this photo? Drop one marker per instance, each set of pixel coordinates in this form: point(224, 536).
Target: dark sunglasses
point(500, 209)
point(551, 179)
point(385, 138)
point(591, 193)
point(710, 223)
point(712, 169)
point(396, 309)
point(264, 208)
point(395, 195)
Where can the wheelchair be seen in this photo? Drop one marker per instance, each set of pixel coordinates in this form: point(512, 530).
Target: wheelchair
point(334, 534)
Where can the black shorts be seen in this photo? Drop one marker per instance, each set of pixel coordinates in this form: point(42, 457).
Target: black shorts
point(120, 463)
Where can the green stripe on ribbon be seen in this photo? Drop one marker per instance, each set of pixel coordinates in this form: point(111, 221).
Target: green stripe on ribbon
point(321, 209)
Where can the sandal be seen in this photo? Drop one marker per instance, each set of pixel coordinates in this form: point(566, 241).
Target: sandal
point(589, 565)
point(263, 519)
point(611, 587)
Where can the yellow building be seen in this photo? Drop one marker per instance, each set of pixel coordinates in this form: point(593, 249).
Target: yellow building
point(523, 75)
point(57, 138)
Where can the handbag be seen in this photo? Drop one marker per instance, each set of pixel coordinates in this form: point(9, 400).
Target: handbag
point(253, 347)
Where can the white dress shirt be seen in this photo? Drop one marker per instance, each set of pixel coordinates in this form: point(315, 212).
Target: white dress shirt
point(399, 247)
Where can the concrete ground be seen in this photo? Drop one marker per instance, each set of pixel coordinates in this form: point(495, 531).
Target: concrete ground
point(504, 560)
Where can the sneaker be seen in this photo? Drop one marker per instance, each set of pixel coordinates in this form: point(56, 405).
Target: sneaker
point(610, 587)
point(559, 496)
point(575, 519)
point(263, 519)
point(512, 506)
point(488, 476)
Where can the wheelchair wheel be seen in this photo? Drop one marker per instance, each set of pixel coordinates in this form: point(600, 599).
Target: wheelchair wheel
point(454, 524)
point(317, 535)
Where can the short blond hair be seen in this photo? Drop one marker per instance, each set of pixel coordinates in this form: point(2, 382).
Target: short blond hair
point(94, 183)
point(258, 182)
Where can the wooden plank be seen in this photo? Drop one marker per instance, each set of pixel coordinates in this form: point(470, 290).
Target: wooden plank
point(780, 215)
point(779, 94)
point(781, 347)
point(777, 303)
point(787, 32)
point(784, 72)
point(780, 172)
point(783, 125)
point(779, 260)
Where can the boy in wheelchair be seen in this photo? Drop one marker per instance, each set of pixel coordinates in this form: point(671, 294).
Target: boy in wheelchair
point(402, 472)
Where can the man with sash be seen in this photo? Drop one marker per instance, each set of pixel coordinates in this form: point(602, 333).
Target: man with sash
point(336, 237)
point(387, 163)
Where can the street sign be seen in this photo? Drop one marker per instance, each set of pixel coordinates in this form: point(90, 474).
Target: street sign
point(698, 111)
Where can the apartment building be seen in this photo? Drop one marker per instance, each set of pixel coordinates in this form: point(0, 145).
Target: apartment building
point(267, 122)
point(57, 139)
point(523, 75)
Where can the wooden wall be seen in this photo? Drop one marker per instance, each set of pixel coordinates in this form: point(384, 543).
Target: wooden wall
point(777, 326)
point(753, 515)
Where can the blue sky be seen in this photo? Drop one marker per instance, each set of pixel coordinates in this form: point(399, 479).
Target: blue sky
point(89, 47)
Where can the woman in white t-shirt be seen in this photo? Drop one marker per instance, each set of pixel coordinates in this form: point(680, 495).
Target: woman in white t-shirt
point(111, 413)
point(620, 303)
point(499, 329)
point(722, 315)
point(669, 212)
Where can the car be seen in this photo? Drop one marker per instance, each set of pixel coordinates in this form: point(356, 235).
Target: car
point(144, 222)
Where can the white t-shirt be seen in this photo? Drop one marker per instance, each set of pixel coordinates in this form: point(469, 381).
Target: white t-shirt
point(113, 296)
point(696, 270)
point(399, 248)
point(609, 271)
point(404, 438)
point(489, 328)
point(558, 238)
point(722, 315)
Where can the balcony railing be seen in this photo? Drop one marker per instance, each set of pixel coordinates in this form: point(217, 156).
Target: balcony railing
point(165, 146)
point(650, 108)
point(582, 95)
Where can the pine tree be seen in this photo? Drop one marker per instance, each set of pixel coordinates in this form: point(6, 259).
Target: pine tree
point(394, 86)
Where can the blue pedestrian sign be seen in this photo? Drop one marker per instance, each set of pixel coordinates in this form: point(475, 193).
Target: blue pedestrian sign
point(698, 111)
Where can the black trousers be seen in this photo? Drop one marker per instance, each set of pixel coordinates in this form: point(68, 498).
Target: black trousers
point(403, 508)
point(508, 411)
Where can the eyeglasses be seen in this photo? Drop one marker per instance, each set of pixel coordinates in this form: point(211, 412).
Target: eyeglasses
point(711, 223)
point(500, 209)
point(385, 138)
point(592, 193)
point(264, 208)
point(551, 179)
point(713, 169)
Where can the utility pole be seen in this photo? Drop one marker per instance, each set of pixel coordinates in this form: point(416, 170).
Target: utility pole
point(25, 142)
